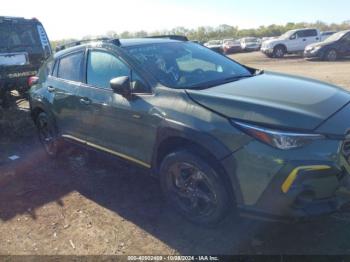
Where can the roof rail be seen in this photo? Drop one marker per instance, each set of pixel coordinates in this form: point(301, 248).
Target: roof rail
point(172, 37)
point(114, 41)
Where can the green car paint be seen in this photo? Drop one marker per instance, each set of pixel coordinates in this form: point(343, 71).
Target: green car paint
point(138, 128)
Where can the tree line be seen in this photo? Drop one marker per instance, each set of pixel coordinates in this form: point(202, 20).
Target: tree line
point(205, 33)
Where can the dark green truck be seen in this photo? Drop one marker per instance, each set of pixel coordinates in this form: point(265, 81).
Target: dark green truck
point(24, 46)
point(220, 136)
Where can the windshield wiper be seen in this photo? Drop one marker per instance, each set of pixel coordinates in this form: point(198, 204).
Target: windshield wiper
point(219, 82)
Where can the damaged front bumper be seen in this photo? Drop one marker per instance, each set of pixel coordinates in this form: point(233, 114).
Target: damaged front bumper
point(279, 185)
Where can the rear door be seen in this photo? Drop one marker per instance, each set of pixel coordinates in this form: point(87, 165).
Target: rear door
point(309, 36)
point(63, 86)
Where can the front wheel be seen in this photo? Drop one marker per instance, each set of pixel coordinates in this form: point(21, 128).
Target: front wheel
point(47, 134)
point(194, 188)
point(331, 55)
point(279, 52)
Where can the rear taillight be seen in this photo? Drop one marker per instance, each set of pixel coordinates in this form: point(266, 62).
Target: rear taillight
point(32, 80)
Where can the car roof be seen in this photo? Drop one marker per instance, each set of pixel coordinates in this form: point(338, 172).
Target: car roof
point(18, 19)
point(143, 41)
point(123, 43)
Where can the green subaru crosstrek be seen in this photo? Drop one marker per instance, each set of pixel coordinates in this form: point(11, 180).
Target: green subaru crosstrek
point(219, 135)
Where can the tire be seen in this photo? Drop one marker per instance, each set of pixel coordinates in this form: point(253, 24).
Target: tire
point(194, 188)
point(279, 51)
point(331, 55)
point(47, 135)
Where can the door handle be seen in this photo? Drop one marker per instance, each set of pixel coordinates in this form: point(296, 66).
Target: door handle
point(304, 40)
point(85, 101)
point(51, 89)
point(317, 38)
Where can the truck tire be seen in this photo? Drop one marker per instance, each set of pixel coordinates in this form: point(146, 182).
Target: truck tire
point(279, 51)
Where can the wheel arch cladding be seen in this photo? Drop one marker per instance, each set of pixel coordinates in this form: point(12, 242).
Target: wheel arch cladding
point(204, 145)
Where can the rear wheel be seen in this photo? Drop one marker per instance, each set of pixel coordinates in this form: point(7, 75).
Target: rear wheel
point(331, 55)
point(194, 188)
point(279, 52)
point(47, 134)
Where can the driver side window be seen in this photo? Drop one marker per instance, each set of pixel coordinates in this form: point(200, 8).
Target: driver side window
point(293, 36)
point(102, 67)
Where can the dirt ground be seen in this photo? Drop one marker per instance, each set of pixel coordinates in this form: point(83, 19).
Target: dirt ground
point(84, 203)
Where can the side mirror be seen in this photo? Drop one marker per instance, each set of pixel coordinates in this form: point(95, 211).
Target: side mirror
point(293, 37)
point(121, 85)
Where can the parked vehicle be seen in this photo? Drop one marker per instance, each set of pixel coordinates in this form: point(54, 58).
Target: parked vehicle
point(250, 44)
point(326, 34)
point(267, 38)
point(334, 47)
point(197, 42)
point(230, 46)
point(215, 45)
point(293, 41)
point(23, 47)
point(220, 136)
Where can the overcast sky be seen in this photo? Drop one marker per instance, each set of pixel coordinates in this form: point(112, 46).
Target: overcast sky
point(75, 19)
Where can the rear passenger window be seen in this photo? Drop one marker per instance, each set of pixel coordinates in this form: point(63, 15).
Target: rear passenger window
point(102, 67)
point(70, 67)
point(307, 33)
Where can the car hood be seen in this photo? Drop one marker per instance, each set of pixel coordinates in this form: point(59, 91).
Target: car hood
point(274, 99)
point(274, 41)
point(321, 44)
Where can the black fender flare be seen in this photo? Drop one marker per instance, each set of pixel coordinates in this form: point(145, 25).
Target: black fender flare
point(216, 148)
point(170, 129)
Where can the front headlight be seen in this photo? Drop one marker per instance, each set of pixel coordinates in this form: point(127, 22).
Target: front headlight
point(279, 139)
point(315, 49)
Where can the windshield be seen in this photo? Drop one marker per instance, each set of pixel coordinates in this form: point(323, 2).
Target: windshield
point(18, 35)
point(287, 34)
point(336, 36)
point(186, 65)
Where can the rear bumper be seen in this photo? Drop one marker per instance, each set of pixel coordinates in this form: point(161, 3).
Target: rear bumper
point(259, 175)
point(232, 49)
point(16, 81)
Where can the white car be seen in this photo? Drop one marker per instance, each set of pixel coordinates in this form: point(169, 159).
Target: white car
point(250, 44)
point(293, 41)
point(215, 45)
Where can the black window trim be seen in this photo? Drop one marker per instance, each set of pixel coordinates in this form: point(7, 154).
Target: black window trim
point(118, 56)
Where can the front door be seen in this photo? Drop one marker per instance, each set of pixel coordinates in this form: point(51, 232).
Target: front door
point(121, 126)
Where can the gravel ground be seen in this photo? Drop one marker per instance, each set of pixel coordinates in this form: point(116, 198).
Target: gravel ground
point(84, 203)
